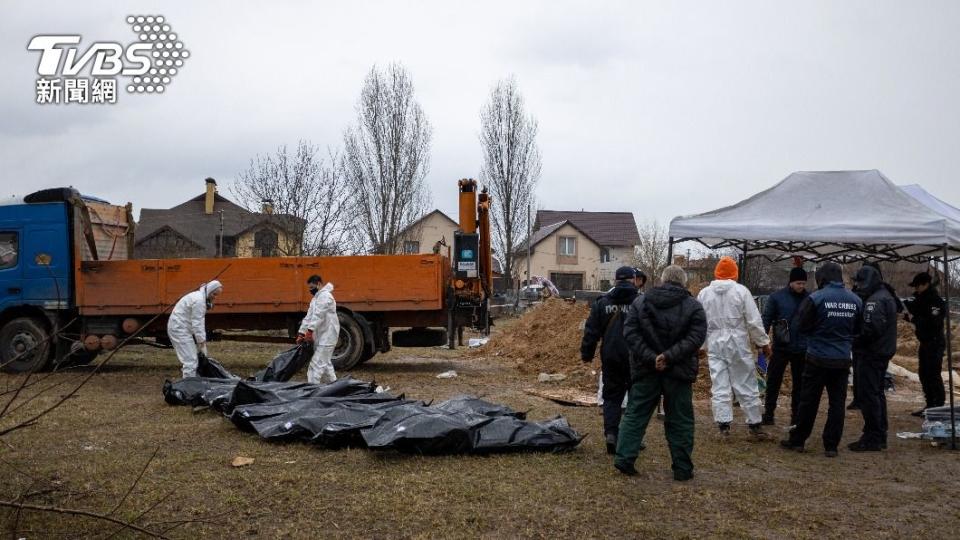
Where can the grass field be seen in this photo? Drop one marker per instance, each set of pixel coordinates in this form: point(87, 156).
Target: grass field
point(87, 454)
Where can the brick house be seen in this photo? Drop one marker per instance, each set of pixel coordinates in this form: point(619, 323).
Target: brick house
point(193, 228)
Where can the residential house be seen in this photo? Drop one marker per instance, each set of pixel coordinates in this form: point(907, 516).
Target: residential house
point(564, 253)
point(432, 230)
point(614, 233)
point(210, 225)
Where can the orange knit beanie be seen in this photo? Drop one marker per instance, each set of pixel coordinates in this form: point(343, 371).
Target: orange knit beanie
point(726, 269)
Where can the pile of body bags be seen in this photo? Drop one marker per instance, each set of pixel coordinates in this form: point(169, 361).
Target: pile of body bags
point(353, 413)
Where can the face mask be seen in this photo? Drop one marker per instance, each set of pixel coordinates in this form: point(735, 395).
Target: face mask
point(209, 303)
point(313, 291)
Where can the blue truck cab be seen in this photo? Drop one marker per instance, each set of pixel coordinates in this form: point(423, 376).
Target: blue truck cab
point(36, 280)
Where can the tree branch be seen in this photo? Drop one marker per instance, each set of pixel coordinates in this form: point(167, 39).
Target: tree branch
point(75, 512)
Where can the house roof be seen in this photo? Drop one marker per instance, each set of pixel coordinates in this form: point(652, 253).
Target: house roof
point(608, 229)
point(190, 220)
point(424, 218)
point(543, 233)
point(165, 228)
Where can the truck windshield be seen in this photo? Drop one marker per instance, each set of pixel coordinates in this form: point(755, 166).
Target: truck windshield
point(8, 250)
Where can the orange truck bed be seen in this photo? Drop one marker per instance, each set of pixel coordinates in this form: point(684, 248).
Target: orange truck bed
point(369, 283)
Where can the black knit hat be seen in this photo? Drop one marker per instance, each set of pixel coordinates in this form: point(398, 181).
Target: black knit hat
point(797, 274)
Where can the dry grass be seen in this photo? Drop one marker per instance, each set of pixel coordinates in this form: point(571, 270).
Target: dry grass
point(87, 453)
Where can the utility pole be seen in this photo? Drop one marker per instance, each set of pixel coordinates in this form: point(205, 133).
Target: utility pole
point(529, 235)
point(220, 249)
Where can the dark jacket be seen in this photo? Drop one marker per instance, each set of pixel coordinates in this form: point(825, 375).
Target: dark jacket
point(878, 335)
point(666, 320)
point(830, 318)
point(928, 311)
point(606, 322)
point(782, 306)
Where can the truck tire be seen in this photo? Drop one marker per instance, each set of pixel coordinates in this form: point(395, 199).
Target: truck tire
point(24, 346)
point(349, 350)
point(368, 353)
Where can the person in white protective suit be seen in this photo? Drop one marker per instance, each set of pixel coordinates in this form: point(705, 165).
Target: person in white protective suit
point(321, 327)
point(733, 322)
point(186, 327)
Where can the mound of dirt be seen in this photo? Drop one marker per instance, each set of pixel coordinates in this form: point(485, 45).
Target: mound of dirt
point(907, 344)
point(546, 339)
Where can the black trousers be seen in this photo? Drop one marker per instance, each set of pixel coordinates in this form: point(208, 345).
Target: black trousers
point(775, 370)
point(855, 376)
point(616, 383)
point(931, 364)
point(815, 380)
point(869, 372)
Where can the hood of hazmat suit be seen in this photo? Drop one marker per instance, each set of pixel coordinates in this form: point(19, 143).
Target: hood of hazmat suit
point(322, 318)
point(187, 317)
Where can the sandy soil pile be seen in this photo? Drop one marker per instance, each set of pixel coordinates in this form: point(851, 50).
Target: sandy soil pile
point(546, 339)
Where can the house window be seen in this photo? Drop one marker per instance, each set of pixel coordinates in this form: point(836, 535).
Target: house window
point(568, 246)
point(265, 242)
point(8, 250)
point(229, 246)
point(411, 246)
point(604, 255)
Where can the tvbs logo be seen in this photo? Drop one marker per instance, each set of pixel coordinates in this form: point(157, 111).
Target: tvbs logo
point(149, 64)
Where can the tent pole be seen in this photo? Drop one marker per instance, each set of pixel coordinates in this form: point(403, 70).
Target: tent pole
point(946, 291)
point(743, 265)
point(669, 254)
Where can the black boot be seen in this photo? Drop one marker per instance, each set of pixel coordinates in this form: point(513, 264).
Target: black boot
point(611, 440)
point(757, 431)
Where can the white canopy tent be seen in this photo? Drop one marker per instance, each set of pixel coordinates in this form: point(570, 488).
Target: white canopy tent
point(842, 216)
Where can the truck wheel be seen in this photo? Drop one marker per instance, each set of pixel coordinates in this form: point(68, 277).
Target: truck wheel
point(349, 349)
point(24, 346)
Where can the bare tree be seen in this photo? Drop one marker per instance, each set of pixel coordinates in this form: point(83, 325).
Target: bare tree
point(386, 158)
point(651, 254)
point(510, 166)
point(308, 195)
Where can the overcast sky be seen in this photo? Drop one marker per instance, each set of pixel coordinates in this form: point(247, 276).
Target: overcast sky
point(659, 108)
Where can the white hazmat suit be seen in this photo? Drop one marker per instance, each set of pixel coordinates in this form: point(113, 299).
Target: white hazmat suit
point(186, 327)
point(322, 320)
point(733, 321)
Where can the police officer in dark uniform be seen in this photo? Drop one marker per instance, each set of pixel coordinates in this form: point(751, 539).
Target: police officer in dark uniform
point(927, 311)
point(872, 351)
point(606, 323)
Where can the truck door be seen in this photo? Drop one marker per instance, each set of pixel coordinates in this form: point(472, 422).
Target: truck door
point(45, 265)
point(11, 275)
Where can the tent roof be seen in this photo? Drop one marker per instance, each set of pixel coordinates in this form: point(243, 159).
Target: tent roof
point(932, 202)
point(843, 215)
